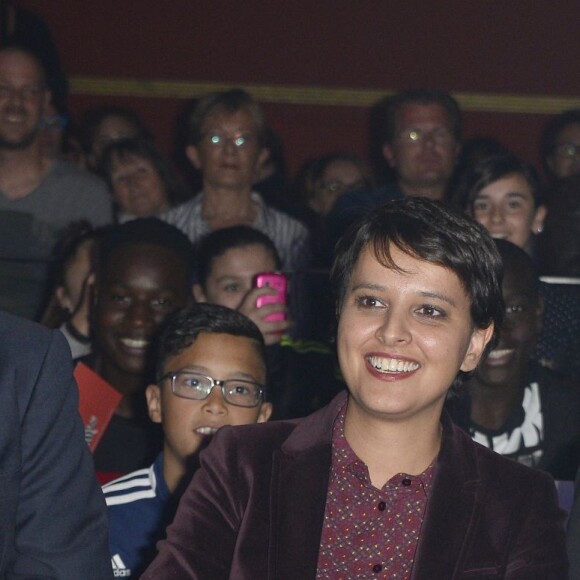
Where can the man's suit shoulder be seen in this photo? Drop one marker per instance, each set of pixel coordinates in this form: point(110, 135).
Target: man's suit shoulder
point(28, 349)
point(18, 333)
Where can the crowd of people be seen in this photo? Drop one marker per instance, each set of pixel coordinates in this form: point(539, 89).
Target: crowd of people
point(457, 294)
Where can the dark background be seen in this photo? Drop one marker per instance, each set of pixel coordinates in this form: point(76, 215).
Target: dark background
point(317, 67)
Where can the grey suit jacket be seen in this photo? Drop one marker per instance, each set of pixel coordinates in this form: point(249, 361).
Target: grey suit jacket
point(52, 513)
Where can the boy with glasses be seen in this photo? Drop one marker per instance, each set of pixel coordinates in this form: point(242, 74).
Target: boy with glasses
point(210, 372)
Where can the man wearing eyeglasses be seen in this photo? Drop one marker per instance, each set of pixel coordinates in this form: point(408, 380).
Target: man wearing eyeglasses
point(226, 143)
point(561, 144)
point(211, 372)
point(422, 140)
point(39, 195)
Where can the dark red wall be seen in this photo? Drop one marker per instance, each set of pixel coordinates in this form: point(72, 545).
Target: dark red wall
point(512, 49)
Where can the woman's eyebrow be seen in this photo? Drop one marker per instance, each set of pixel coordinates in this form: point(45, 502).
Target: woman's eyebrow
point(439, 296)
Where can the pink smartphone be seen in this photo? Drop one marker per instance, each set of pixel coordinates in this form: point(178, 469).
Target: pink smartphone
point(277, 282)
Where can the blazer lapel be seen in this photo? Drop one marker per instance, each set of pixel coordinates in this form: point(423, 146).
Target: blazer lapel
point(451, 511)
point(298, 496)
point(298, 502)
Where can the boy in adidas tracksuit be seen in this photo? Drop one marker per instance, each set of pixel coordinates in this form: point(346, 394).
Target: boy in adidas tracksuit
point(211, 372)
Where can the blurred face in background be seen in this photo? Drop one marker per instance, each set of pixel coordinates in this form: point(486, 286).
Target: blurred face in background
point(565, 160)
point(507, 209)
point(136, 289)
point(23, 98)
point(424, 150)
point(507, 365)
point(229, 152)
point(232, 275)
point(339, 177)
point(137, 186)
point(112, 128)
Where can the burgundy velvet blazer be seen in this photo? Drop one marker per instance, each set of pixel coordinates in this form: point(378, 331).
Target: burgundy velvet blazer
point(255, 510)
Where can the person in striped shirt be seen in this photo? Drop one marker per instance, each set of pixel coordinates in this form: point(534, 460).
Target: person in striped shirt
point(226, 143)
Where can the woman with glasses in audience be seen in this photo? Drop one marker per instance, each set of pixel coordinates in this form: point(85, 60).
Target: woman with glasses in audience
point(226, 143)
point(319, 185)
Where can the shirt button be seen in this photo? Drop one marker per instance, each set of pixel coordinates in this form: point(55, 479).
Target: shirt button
point(377, 568)
point(406, 482)
point(382, 506)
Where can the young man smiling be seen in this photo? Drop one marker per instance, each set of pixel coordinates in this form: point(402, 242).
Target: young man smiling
point(511, 404)
point(143, 274)
point(380, 483)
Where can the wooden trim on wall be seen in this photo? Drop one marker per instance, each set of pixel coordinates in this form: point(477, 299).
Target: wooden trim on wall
point(326, 96)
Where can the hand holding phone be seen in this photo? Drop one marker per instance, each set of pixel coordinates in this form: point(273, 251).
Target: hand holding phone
point(279, 284)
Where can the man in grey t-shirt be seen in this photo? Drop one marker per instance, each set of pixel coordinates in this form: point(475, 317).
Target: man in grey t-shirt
point(38, 196)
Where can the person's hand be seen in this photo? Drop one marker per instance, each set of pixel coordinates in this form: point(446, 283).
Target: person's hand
point(272, 331)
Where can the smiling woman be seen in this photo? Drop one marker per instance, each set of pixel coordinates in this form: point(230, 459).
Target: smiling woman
point(410, 317)
point(403, 335)
point(419, 301)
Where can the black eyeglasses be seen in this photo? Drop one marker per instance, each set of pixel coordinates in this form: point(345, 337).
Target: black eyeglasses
point(198, 387)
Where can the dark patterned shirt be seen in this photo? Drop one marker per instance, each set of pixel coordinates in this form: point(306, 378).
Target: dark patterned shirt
point(369, 532)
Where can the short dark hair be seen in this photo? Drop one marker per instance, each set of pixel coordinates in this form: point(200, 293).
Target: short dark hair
point(67, 246)
point(430, 231)
point(217, 243)
point(231, 102)
point(491, 169)
point(92, 119)
point(512, 254)
point(552, 130)
point(143, 231)
point(181, 329)
point(559, 243)
point(124, 149)
point(421, 97)
point(73, 237)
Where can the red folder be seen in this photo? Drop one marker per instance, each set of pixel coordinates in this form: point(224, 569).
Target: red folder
point(97, 403)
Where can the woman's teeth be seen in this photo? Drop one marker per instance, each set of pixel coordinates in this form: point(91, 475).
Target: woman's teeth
point(392, 365)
